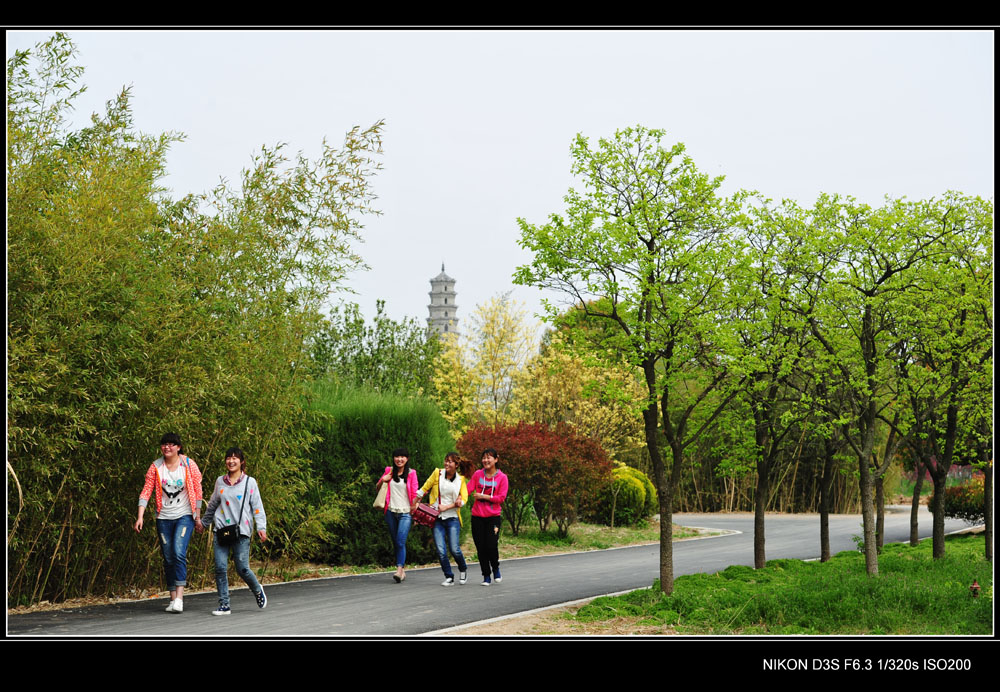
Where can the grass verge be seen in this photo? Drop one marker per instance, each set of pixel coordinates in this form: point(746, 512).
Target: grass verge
point(912, 594)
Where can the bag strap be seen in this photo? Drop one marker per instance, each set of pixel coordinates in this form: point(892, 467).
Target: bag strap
point(243, 504)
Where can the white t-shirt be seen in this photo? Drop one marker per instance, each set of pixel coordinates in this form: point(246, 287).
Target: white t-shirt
point(448, 493)
point(175, 497)
point(399, 497)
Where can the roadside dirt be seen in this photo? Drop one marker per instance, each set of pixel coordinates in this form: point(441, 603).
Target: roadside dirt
point(553, 622)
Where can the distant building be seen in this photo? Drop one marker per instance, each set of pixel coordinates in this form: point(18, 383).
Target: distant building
point(443, 307)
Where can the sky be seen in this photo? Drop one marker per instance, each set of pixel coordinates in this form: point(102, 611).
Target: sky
point(479, 123)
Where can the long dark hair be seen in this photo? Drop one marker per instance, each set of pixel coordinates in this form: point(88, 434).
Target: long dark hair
point(400, 452)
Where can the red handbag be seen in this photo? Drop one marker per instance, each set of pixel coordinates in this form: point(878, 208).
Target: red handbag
point(425, 515)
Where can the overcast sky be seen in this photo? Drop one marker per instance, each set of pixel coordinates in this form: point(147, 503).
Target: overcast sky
point(478, 124)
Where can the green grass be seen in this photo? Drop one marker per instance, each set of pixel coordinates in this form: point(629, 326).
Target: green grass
point(912, 594)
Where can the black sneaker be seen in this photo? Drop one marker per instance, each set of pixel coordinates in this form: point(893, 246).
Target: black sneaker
point(261, 598)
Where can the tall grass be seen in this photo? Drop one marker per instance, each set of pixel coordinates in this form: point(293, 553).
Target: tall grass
point(913, 594)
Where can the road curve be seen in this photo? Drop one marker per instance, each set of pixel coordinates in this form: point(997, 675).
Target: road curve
point(373, 605)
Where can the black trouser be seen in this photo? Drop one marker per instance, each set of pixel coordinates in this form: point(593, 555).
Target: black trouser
point(485, 532)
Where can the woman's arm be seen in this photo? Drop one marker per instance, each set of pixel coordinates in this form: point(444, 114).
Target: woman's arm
point(259, 516)
point(194, 491)
point(144, 495)
point(412, 484)
point(213, 503)
point(501, 492)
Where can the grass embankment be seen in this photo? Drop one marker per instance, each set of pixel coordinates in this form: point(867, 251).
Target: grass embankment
point(912, 594)
point(529, 542)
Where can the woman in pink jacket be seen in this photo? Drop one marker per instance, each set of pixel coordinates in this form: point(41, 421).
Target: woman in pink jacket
point(176, 480)
point(488, 486)
point(400, 494)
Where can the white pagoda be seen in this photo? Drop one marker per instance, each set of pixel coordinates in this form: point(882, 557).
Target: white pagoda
point(443, 307)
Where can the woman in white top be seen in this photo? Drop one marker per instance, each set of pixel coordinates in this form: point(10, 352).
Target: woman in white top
point(175, 481)
point(449, 492)
point(401, 491)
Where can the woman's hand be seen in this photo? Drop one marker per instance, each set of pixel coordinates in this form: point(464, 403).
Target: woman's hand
point(263, 535)
point(138, 521)
point(385, 478)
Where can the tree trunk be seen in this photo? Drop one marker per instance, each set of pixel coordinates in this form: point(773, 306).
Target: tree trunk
point(940, 480)
point(760, 502)
point(915, 503)
point(664, 488)
point(880, 513)
point(988, 508)
point(824, 506)
point(867, 514)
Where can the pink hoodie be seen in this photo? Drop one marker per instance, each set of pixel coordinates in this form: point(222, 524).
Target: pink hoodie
point(495, 487)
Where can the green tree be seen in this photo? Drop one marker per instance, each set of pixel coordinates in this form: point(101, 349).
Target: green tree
point(645, 252)
point(476, 371)
point(599, 399)
point(864, 268)
point(387, 355)
point(946, 360)
point(770, 340)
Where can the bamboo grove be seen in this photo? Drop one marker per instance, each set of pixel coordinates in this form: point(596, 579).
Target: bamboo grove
point(130, 314)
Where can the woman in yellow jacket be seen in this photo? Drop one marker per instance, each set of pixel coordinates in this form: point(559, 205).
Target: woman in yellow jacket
point(448, 492)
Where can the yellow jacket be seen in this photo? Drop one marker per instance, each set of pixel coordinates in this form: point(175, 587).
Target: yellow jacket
point(431, 484)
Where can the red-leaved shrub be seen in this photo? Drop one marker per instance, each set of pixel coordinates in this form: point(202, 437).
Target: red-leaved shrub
point(552, 471)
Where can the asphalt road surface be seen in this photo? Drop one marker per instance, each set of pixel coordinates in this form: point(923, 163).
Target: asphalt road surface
point(373, 604)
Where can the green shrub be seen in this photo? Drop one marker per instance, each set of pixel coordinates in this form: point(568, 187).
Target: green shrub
point(628, 499)
point(652, 504)
point(358, 429)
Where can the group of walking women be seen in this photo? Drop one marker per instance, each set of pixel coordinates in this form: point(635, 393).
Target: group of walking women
point(233, 510)
point(450, 488)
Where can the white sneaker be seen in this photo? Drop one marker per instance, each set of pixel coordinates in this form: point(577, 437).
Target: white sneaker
point(170, 607)
point(176, 606)
point(448, 581)
point(463, 577)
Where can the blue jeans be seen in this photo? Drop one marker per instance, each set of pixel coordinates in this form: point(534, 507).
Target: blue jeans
point(399, 529)
point(452, 530)
point(175, 534)
point(241, 557)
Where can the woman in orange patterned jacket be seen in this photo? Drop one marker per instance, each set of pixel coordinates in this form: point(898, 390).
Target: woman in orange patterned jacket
point(176, 480)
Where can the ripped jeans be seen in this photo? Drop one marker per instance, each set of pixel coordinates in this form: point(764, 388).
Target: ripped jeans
point(241, 558)
point(175, 534)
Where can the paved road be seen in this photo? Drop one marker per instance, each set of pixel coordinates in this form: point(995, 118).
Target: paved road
point(374, 605)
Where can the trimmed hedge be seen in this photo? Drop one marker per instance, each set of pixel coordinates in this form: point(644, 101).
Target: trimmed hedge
point(358, 429)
